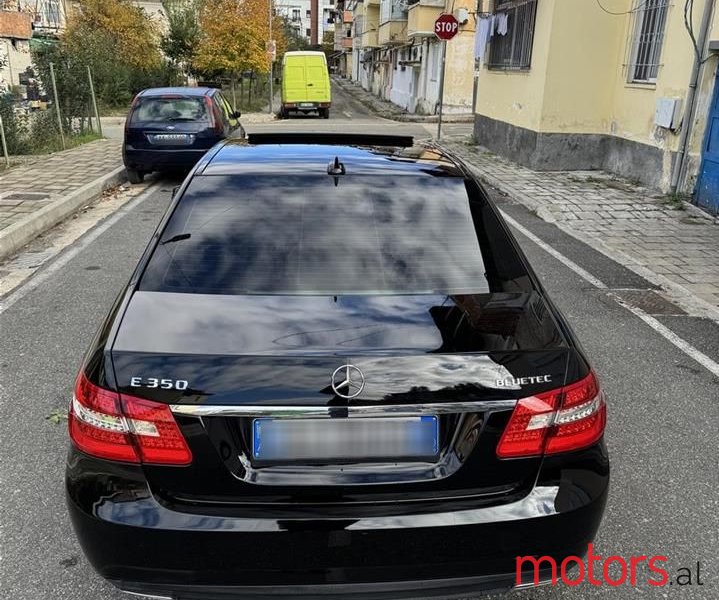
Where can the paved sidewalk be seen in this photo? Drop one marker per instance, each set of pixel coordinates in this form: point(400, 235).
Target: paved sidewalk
point(665, 240)
point(35, 196)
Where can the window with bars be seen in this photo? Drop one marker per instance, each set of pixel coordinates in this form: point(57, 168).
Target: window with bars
point(650, 21)
point(512, 49)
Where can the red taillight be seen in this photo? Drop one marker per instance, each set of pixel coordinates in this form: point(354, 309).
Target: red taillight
point(128, 429)
point(562, 420)
point(215, 116)
point(133, 104)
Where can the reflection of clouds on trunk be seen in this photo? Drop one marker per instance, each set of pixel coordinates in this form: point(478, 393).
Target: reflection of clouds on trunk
point(300, 234)
point(278, 324)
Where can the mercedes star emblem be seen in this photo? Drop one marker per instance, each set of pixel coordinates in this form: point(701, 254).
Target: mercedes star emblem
point(347, 381)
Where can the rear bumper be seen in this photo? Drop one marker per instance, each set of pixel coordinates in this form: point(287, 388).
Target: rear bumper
point(143, 545)
point(305, 106)
point(157, 160)
point(445, 589)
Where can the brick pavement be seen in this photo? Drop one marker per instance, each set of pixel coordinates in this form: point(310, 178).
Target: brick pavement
point(650, 231)
point(28, 188)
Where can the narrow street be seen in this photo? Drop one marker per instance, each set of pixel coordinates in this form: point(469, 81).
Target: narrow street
point(663, 410)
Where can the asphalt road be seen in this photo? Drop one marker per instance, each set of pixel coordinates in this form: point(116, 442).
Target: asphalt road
point(662, 432)
point(347, 115)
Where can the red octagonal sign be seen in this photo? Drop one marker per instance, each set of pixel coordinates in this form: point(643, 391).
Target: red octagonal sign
point(446, 27)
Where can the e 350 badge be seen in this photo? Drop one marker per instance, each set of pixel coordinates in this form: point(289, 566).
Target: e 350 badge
point(163, 384)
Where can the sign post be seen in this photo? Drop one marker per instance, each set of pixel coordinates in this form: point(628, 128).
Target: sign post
point(272, 55)
point(445, 28)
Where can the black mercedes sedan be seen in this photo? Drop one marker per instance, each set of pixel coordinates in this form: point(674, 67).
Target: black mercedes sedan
point(333, 374)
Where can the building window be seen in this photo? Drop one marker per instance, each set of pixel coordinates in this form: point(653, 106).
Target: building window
point(512, 50)
point(308, 14)
point(308, 32)
point(650, 22)
point(50, 13)
point(295, 14)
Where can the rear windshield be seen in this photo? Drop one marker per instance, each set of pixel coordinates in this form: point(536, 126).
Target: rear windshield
point(177, 108)
point(247, 234)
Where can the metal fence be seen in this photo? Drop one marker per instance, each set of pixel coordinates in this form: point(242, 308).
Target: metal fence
point(48, 111)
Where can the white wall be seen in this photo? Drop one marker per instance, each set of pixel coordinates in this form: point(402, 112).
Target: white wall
point(401, 92)
point(19, 55)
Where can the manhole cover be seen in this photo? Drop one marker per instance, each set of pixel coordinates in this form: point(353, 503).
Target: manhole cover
point(650, 302)
point(25, 196)
point(30, 260)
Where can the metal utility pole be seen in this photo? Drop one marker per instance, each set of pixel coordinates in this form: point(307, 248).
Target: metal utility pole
point(4, 143)
point(271, 55)
point(57, 104)
point(441, 90)
point(94, 101)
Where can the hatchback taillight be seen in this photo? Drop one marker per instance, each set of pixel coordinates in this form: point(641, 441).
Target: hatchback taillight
point(124, 428)
point(563, 420)
point(215, 116)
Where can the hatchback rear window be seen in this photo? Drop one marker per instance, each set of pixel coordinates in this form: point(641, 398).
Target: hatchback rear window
point(247, 234)
point(168, 109)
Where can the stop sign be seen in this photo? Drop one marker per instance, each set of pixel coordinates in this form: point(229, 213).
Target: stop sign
point(446, 27)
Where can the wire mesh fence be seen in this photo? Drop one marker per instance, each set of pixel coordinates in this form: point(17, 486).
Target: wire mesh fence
point(52, 109)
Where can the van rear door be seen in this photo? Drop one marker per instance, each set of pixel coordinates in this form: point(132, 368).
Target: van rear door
point(294, 81)
point(318, 81)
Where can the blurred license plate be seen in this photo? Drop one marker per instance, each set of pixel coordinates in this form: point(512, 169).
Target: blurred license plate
point(170, 138)
point(307, 104)
point(333, 439)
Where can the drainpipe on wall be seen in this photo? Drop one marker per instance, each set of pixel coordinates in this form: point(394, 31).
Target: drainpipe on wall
point(680, 160)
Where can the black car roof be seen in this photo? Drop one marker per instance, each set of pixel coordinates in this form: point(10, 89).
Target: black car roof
point(308, 157)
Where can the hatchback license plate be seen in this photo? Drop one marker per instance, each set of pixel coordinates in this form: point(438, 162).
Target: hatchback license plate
point(307, 104)
point(342, 439)
point(170, 138)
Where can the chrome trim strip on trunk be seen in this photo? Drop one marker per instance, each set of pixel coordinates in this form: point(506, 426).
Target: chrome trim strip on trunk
point(320, 412)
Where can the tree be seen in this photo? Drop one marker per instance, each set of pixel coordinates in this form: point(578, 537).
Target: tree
point(183, 32)
point(118, 42)
point(133, 34)
point(294, 38)
point(234, 37)
point(328, 42)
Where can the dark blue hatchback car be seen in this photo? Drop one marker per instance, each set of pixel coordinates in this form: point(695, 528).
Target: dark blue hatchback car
point(172, 128)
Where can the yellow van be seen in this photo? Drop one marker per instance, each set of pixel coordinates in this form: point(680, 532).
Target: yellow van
point(305, 83)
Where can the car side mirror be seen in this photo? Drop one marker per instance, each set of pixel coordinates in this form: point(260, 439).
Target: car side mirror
point(175, 190)
point(236, 115)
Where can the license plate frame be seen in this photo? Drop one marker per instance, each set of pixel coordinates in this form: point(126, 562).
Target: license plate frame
point(356, 440)
point(170, 139)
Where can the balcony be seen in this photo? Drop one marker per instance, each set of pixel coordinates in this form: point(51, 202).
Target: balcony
point(392, 33)
point(371, 26)
point(421, 17)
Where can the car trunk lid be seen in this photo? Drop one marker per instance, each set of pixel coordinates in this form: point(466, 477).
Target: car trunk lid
point(239, 358)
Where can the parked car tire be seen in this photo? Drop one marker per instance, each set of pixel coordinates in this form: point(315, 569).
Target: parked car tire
point(134, 176)
point(325, 113)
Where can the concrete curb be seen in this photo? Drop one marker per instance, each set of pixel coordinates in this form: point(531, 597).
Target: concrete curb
point(18, 234)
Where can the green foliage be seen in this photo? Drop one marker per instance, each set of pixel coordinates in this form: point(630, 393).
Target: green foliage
point(295, 39)
point(183, 32)
point(15, 129)
point(328, 42)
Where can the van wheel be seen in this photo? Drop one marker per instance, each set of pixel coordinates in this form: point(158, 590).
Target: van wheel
point(325, 113)
point(134, 176)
